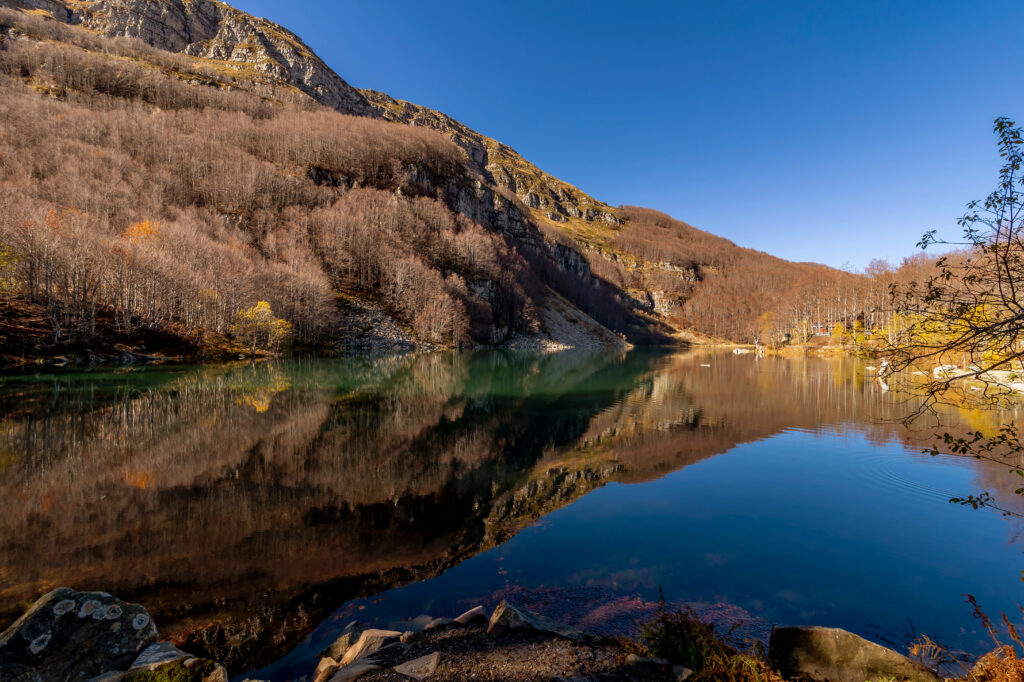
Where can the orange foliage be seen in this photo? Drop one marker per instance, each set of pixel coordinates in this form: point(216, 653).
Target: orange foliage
point(141, 232)
point(142, 480)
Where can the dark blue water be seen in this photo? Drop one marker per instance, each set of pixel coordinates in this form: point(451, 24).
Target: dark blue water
point(256, 509)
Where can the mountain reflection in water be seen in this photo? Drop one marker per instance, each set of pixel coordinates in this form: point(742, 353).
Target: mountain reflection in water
point(244, 504)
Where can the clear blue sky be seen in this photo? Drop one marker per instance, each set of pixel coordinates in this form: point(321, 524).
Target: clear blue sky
point(826, 131)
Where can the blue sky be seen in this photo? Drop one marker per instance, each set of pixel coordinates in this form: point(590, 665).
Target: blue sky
point(823, 131)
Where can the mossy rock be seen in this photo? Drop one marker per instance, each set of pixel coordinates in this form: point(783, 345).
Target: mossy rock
point(182, 670)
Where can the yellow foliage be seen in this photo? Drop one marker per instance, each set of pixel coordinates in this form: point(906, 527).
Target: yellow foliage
point(258, 389)
point(141, 232)
point(8, 261)
point(259, 329)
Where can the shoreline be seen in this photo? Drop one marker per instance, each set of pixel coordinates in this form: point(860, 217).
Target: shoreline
point(66, 635)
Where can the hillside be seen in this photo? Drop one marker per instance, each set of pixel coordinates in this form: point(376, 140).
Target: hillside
point(169, 163)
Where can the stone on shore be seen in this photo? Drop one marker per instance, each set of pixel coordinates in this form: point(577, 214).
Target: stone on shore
point(420, 668)
point(354, 671)
point(477, 613)
point(369, 642)
point(325, 669)
point(818, 654)
point(69, 635)
point(348, 637)
point(507, 617)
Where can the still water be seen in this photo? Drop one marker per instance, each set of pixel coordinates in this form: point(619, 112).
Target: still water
point(256, 509)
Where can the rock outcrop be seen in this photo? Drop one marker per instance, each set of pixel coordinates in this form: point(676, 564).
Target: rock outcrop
point(69, 635)
point(546, 196)
point(214, 30)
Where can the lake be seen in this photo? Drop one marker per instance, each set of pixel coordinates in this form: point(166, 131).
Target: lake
point(255, 509)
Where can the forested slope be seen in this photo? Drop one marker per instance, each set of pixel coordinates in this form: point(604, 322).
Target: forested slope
point(166, 192)
point(168, 164)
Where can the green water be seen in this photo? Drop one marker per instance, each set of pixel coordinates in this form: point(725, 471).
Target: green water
point(258, 507)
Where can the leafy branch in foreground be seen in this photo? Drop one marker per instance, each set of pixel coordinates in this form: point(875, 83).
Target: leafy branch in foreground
point(966, 322)
point(968, 318)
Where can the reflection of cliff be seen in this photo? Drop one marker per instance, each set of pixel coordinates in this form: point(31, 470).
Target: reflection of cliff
point(235, 491)
point(244, 504)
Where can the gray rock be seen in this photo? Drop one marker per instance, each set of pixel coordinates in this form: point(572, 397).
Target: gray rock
point(369, 642)
point(817, 654)
point(354, 671)
point(474, 614)
point(420, 668)
point(507, 617)
point(69, 635)
point(348, 637)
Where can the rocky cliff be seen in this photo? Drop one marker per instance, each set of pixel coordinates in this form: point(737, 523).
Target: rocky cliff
point(213, 30)
point(549, 198)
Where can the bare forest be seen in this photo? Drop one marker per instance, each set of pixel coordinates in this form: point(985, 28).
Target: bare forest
point(138, 185)
point(146, 189)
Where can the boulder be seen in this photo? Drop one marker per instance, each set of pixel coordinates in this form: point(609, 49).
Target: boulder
point(69, 635)
point(369, 642)
point(348, 637)
point(507, 617)
point(477, 613)
point(420, 668)
point(816, 654)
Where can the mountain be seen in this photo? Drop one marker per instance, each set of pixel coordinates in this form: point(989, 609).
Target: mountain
point(452, 237)
point(548, 198)
point(253, 47)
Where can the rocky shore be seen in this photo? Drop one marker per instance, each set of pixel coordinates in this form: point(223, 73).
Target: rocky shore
point(94, 637)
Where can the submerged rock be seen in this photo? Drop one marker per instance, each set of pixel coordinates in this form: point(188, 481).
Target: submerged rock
point(437, 623)
point(818, 654)
point(354, 671)
point(69, 635)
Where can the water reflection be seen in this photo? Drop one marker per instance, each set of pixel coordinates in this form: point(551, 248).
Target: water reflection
point(244, 504)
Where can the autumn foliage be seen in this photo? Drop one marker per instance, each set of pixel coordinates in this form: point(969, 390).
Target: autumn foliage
point(135, 182)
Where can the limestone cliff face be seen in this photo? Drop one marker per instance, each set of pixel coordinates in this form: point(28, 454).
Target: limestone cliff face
point(205, 28)
point(548, 197)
